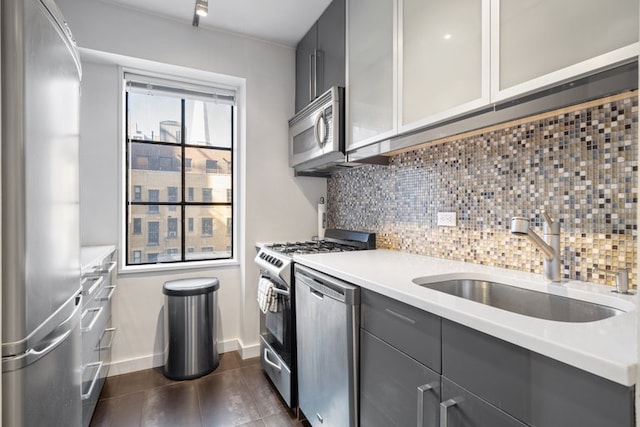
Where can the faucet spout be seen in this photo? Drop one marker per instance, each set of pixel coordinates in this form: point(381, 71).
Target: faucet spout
point(550, 246)
point(549, 252)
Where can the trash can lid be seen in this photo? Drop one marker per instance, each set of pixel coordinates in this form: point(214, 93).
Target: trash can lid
point(188, 287)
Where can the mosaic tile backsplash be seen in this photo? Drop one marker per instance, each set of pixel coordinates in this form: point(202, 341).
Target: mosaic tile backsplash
point(580, 165)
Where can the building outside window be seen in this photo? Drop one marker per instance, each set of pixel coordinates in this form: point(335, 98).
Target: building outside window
point(207, 227)
point(172, 228)
point(154, 198)
point(137, 226)
point(180, 137)
point(137, 193)
point(153, 233)
point(207, 195)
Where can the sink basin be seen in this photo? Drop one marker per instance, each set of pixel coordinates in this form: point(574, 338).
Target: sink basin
point(523, 301)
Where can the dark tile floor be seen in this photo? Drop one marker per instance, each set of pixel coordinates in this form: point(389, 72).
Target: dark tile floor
point(237, 393)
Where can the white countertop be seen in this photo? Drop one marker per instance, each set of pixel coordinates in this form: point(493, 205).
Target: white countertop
point(607, 348)
point(91, 256)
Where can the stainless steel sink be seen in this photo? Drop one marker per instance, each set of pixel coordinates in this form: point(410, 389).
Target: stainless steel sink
point(523, 301)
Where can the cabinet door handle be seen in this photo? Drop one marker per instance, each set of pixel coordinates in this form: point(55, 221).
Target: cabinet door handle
point(421, 390)
point(312, 77)
point(444, 407)
point(400, 316)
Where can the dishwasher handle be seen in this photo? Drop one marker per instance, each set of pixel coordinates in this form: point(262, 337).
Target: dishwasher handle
point(327, 285)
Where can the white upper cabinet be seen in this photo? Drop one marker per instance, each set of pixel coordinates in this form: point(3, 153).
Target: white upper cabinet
point(444, 59)
point(416, 63)
point(538, 43)
point(371, 71)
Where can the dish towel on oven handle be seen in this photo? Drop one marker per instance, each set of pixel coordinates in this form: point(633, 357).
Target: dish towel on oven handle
point(267, 297)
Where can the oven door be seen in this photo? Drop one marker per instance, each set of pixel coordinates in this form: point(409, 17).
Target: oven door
point(276, 327)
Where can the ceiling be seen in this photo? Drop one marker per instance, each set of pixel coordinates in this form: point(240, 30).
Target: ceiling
point(279, 21)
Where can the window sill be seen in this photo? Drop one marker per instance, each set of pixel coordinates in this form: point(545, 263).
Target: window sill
point(196, 265)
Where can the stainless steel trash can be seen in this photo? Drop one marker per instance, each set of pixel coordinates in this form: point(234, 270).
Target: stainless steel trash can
point(190, 337)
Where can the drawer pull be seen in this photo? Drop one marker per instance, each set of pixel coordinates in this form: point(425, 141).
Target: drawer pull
point(112, 289)
point(444, 409)
point(400, 316)
point(96, 376)
point(421, 390)
point(277, 367)
point(111, 331)
point(96, 315)
point(96, 284)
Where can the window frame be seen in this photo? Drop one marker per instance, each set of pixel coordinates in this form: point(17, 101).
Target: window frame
point(236, 150)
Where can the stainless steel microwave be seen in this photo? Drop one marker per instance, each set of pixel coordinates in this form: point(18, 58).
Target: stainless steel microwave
point(316, 134)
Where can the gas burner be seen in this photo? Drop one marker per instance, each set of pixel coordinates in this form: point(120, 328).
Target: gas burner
point(335, 241)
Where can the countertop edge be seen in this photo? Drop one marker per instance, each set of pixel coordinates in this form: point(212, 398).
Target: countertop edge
point(620, 368)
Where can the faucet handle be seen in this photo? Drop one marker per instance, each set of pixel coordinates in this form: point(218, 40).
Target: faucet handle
point(550, 226)
point(622, 279)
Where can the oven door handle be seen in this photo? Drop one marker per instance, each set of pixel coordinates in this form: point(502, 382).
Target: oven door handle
point(266, 359)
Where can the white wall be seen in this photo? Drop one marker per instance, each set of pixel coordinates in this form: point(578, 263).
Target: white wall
point(276, 205)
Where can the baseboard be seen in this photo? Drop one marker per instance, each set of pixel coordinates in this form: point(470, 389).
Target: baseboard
point(119, 367)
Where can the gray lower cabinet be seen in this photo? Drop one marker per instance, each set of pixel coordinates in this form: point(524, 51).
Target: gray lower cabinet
point(395, 390)
point(413, 331)
point(535, 389)
point(460, 408)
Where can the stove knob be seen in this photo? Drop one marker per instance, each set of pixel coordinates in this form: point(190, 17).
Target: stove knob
point(279, 263)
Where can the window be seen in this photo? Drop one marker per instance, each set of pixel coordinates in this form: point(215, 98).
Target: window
point(207, 227)
point(137, 226)
point(172, 228)
point(172, 197)
point(154, 197)
point(173, 127)
point(153, 235)
point(137, 193)
point(206, 195)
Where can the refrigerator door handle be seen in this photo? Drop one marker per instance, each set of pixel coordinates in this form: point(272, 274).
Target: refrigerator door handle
point(13, 363)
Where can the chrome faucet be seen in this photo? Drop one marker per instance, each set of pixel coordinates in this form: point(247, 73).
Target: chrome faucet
point(550, 245)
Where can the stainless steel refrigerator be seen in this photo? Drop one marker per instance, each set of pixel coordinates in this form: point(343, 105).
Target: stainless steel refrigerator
point(40, 91)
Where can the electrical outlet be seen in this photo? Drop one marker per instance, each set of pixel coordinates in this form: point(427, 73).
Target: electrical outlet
point(447, 219)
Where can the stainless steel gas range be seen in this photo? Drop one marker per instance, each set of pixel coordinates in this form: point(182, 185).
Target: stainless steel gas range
point(277, 325)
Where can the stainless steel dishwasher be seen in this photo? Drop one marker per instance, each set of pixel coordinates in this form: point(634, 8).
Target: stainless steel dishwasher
point(327, 316)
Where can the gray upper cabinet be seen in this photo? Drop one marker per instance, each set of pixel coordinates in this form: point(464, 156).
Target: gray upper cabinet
point(320, 55)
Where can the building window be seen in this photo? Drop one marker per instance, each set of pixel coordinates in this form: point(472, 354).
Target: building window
point(207, 227)
point(207, 195)
point(137, 226)
point(172, 197)
point(172, 128)
point(153, 234)
point(172, 228)
point(154, 197)
point(137, 193)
